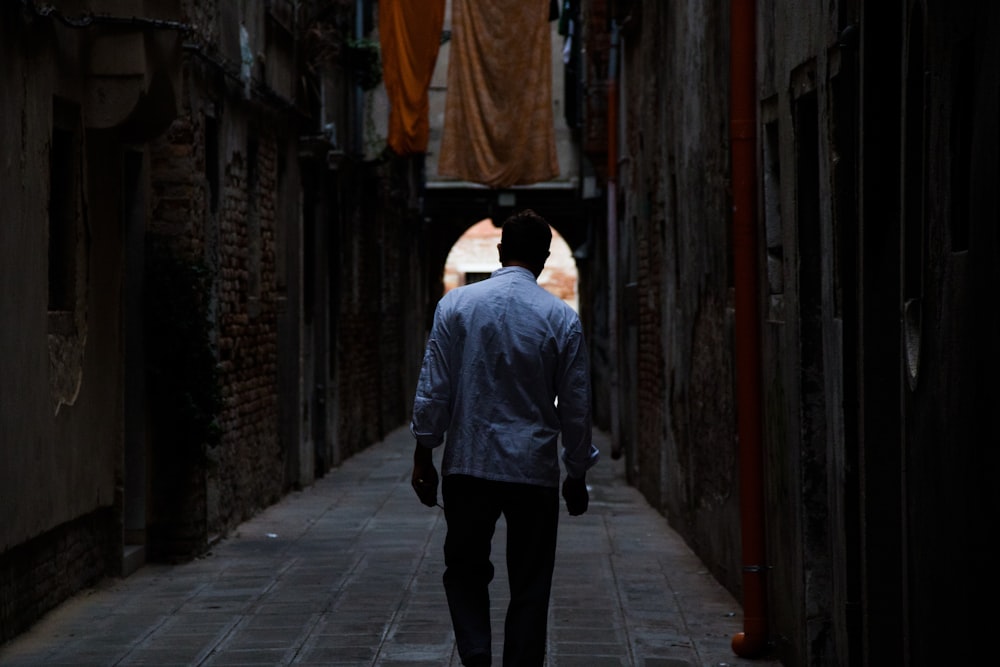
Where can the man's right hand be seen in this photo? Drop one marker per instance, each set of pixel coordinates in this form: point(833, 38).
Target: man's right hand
point(425, 478)
point(574, 492)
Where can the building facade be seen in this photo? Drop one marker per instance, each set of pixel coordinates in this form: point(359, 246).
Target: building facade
point(874, 234)
point(198, 253)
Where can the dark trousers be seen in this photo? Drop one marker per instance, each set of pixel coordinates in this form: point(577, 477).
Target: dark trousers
point(472, 508)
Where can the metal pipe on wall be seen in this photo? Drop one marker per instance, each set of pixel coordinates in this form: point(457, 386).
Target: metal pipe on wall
point(743, 144)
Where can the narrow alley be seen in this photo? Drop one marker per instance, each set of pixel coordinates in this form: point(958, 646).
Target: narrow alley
point(226, 228)
point(348, 572)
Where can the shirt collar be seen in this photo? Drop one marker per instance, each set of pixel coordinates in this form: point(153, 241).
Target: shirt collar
point(505, 270)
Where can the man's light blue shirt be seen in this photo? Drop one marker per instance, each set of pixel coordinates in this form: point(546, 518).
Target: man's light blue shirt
point(505, 373)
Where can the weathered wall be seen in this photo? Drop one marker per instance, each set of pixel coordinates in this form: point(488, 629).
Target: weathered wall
point(27, 402)
point(801, 337)
point(379, 273)
point(877, 139)
point(948, 352)
point(313, 285)
point(223, 172)
point(69, 418)
point(357, 263)
point(61, 365)
point(675, 249)
point(868, 214)
point(247, 327)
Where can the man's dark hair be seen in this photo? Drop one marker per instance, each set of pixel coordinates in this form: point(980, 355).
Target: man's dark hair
point(526, 237)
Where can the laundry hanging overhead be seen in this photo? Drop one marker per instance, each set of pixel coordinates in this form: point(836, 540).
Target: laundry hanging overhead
point(409, 36)
point(498, 123)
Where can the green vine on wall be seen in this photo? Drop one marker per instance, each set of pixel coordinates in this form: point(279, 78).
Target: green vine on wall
point(181, 370)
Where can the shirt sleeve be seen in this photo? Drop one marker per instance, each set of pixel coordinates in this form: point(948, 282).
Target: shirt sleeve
point(579, 453)
point(432, 402)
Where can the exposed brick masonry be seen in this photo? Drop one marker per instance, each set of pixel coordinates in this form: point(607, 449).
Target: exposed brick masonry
point(39, 576)
point(250, 457)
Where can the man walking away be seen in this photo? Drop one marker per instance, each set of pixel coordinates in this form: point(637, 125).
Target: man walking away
point(505, 374)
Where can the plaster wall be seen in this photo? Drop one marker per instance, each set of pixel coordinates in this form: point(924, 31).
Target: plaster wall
point(61, 389)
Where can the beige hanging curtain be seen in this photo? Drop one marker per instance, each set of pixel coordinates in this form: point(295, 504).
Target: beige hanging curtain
point(409, 35)
point(498, 126)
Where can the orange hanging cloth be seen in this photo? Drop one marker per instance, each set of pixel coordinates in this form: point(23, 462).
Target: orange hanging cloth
point(409, 35)
point(498, 122)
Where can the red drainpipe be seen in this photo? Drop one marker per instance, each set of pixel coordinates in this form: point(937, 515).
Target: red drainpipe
point(743, 141)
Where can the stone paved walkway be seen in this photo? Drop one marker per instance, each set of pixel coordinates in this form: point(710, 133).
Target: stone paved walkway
point(348, 572)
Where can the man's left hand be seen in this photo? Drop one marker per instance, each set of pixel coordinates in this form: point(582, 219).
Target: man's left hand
point(574, 492)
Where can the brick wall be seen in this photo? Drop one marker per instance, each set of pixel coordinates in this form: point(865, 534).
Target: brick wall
point(232, 230)
point(177, 524)
point(358, 325)
point(178, 191)
point(675, 188)
point(393, 227)
point(379, 342)
point(250, 473)
point(41, 574)
point(651, 385)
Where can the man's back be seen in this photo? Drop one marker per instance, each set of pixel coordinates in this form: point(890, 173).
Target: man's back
point(505, 349)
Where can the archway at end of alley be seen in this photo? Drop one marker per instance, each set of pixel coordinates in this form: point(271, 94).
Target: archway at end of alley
point(474, 257)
